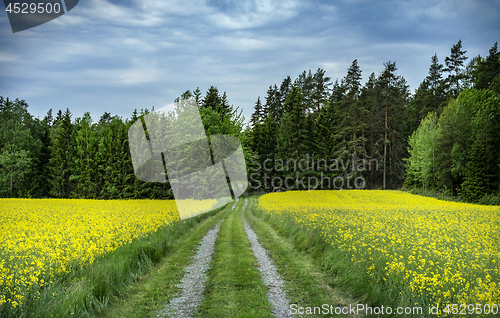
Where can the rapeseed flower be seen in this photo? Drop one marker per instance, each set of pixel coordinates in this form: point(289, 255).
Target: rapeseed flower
point(443, 252)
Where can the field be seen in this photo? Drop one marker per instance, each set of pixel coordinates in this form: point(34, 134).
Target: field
point(44, 239)
point(116, 258)
point(411, 249)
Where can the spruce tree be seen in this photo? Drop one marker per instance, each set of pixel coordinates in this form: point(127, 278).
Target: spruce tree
point(436, 82)
point(473, 188)
point(488, 69)
point(293, 142)
point(197, 96)
point(212, 98)
point(257, 114)
point(61, 156)
point(454, 64)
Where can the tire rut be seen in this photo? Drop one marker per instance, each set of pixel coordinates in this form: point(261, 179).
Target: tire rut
point(270, 275)
point(193, 283)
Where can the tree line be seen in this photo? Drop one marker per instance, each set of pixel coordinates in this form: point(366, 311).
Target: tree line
point(378, 134)
point(456, 149)
point(444, 137)
point(62, 157)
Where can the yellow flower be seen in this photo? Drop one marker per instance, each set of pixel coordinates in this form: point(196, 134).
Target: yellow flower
point(43, 237)
point(445, 252)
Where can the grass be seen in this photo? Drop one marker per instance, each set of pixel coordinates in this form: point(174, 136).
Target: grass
point(87, 291)
point(234, 287)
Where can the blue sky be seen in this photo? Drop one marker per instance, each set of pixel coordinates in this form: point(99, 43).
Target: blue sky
point(114, 56)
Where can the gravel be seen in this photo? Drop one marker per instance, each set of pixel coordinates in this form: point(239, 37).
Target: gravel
point(270, 276)
point(193, 282)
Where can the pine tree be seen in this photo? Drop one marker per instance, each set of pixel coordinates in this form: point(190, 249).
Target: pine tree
point(454, 64)
point(285, 88)
point(274, 106)
point(212, 98)
point(436, 82)
point(320, 90)
point(350, 127)
point(305, 84)
point(473, 188)
point(130, 181)
point(86, 143)
point(265, 148)
point(197, 96)
point(393, 94)
point(293, 142)
point(386, 82)
point(257, 114)
point(423, 102)
point(61, 156)
point(488, 69)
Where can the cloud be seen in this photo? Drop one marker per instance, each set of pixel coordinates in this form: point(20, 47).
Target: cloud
point(7, 57)
point(252, 13)
point(119, 55)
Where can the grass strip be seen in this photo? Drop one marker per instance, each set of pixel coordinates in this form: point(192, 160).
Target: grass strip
point(234, 287)
point(306, 284)
point(157, 287)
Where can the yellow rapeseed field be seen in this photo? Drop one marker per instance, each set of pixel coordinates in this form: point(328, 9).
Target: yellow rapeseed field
point(41, 238)
point(440, 252)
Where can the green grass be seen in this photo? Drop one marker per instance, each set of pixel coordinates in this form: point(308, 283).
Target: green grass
point(306, 285)
point(234, 287)
point(87, 291)
point(151, 292)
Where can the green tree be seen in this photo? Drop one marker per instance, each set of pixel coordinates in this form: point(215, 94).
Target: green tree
point(20, 147)
point(350, 128)
point(421, 165)
point(454, 64)
point(62, 150)
point(274, 106)
point(197, 96)
point(473, 187)
point(488, 69)
point(393, 98)
point(86, 145)
point(293, 142)
point(257, 114)
point(436, 83)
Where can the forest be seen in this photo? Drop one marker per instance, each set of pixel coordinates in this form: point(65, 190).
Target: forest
point(443, 137)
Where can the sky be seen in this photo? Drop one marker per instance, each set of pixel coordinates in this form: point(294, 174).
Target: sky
point(119, 55)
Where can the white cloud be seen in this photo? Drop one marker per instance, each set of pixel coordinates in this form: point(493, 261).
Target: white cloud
point(174, 7)
point(255, 13)
point(140, 72)
point(7, 57)
point(243, 43)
